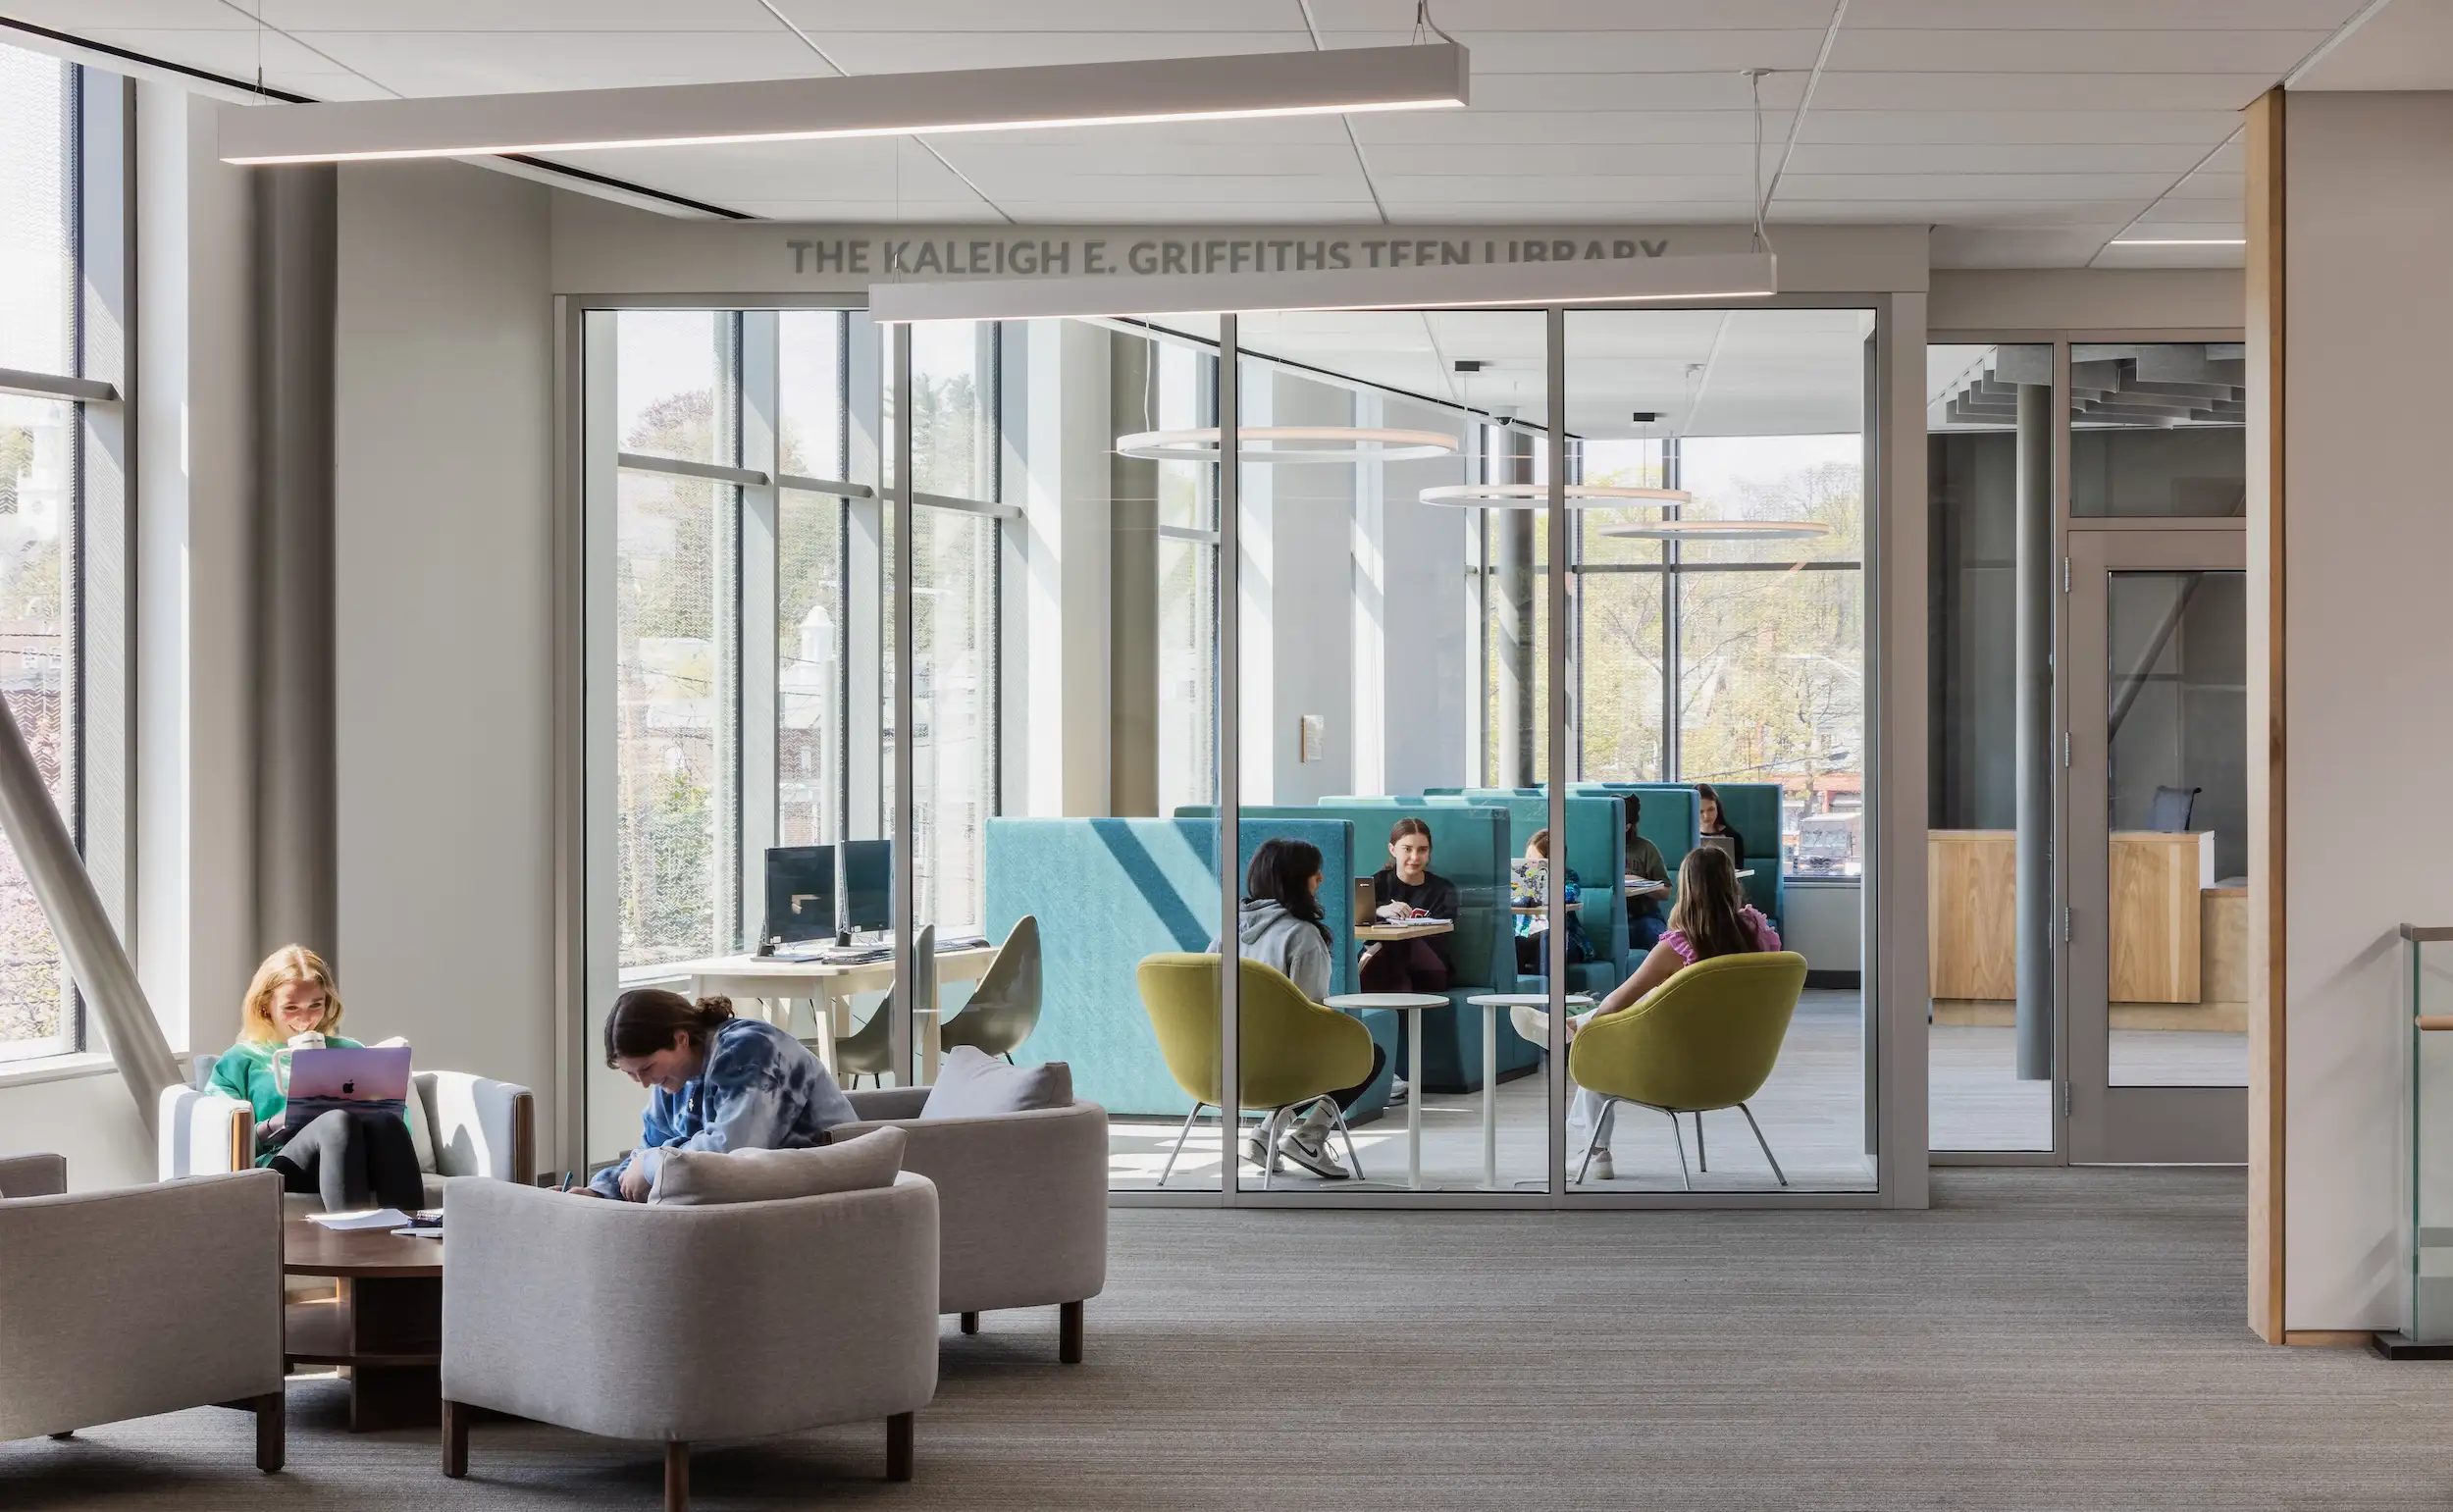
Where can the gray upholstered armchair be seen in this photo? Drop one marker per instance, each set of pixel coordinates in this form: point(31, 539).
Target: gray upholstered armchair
point(123, 1304)
point(689, 1323)
point(478, 1126)
point(1021, 1204)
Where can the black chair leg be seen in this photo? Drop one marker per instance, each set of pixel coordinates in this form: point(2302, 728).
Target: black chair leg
point(1068, 1334)
point(970, 1322)
point(272, 1431)
point(677, 1477)
point(454, 1438)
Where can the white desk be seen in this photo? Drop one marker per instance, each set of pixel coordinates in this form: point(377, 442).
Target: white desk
point(1403, 1002)
point(828, 986)
point(1490, 1004)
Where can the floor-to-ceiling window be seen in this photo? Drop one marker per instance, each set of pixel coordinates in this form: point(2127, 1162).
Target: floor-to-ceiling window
point(43, 469)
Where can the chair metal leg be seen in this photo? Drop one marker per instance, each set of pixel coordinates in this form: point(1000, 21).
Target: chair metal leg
point(1767, 1144)
point(1677, 1131)
point(1180, 1136)
point(1269, 1146)
point(1701, 1163)
point(1601, 1129)
point(1353, 1158)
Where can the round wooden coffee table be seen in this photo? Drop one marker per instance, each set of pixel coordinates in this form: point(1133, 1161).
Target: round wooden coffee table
point(384, 1326)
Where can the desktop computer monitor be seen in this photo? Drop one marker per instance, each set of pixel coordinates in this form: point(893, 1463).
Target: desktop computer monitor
point(800, 893)
point(867, 884)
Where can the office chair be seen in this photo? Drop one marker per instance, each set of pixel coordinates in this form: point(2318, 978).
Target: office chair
point(2169, 814)
point(868, 1050)
point(1005, 1006)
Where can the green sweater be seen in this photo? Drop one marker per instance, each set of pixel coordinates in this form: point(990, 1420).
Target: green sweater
point(245, 1072)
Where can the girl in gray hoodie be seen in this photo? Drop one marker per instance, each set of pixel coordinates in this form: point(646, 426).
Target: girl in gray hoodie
point(1279, 924)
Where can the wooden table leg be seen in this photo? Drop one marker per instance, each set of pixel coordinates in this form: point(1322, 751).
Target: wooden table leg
point(400, 1315)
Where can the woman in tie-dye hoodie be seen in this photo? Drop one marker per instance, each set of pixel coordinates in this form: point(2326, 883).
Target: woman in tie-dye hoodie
point(719, 1083)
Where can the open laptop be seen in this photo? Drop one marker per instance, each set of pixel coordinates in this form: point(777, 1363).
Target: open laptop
point(373, 1079)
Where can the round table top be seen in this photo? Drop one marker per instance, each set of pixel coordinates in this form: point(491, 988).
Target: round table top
point(1400, 1001)
point(1525, 1000)
point(311, 1249)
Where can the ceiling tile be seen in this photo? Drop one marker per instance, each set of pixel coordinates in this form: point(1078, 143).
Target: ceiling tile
point(2103, 15)
point(1908, 128)
point(2168, 159)
point(2038, 92)
point(2404, 47)
point(512, 15)
point(1532, 130)
point(919, 52)
point(1966, 51)
point(429, 63)
point(89, 17)
point(1972, 189)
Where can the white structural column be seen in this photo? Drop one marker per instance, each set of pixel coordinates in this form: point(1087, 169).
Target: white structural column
point(1055, 657)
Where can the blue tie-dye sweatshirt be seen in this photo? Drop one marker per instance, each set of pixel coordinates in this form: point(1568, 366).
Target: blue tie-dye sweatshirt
point(761, 1090)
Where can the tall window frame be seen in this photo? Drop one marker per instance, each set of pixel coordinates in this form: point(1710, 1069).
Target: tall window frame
point(771, 468)
point(66, 448)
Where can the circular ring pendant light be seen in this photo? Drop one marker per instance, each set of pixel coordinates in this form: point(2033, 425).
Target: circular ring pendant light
point(1537, 495)
point(1331, 443)
point(1719, 530)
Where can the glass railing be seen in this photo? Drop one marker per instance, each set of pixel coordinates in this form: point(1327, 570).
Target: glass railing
point(2428, 1175)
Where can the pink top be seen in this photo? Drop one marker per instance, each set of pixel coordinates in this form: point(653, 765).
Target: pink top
point(1765, 936)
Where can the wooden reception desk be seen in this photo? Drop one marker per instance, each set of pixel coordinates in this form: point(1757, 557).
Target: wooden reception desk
point(2179, 943)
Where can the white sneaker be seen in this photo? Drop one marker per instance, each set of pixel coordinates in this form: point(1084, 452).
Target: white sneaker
point(1533, 1023)
point(1255, 1151)
point(1398, 1092)
point(1312, 1155)
point(1601, 1170)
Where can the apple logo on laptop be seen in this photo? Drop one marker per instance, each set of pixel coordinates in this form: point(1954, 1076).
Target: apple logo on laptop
point(349, 1088)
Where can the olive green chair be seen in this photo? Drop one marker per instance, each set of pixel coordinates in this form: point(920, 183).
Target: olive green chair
point(1292, 1052)
point(1704, 1040)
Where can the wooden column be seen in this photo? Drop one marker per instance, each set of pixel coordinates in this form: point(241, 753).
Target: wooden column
point(2262, 213)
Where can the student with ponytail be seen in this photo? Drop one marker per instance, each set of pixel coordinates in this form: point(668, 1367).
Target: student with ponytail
point(718, 1083)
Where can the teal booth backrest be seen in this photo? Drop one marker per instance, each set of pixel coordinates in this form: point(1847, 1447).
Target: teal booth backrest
point(1666, 816)
point(1109, 892)
point(1752, 810)
point(1595, 851)
point(1469, 845)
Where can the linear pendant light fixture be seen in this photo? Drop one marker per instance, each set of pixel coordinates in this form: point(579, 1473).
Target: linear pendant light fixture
point(1345, 80)
point(1617, 281)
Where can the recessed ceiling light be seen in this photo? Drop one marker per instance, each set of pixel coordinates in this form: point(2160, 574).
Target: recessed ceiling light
point(1344, 80)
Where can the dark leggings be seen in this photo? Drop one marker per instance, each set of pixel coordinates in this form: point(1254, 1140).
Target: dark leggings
point(1405, 966)
point(346, 1157)
point(1354, 1094)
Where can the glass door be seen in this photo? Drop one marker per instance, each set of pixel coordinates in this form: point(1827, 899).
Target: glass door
point(2156, 836)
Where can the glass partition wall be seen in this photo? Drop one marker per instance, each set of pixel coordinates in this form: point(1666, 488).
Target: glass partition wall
point(1305, 793)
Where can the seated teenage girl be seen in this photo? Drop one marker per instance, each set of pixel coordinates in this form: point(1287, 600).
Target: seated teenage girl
point(1406, 884)
point(350, 1159)
point(719, 1084)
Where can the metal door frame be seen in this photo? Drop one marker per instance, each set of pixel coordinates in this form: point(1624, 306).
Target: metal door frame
point(2106, 1124)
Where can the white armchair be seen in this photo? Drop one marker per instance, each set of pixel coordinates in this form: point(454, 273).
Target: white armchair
point(123, 1304)
point(477, 1128)
point(681, 1323)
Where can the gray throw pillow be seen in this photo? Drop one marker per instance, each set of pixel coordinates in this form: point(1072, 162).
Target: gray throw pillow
point(706, 1177)
point(973, 1083)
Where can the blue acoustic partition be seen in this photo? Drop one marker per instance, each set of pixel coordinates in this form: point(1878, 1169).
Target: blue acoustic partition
point(1666, 816)
point(1109, 892)
point(1753, 808)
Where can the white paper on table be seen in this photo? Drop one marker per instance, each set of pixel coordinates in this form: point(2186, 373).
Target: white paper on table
point(362, 1218)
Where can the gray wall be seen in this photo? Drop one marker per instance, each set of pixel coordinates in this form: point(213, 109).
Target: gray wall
point(443, 626)
point(2367, 542)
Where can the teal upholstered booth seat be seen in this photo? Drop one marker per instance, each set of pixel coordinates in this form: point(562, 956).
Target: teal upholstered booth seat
point(1109, 892)
point(1597, 852)
point(1469, 845)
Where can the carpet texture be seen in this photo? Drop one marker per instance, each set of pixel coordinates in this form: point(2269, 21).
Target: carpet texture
point(2041, 1340)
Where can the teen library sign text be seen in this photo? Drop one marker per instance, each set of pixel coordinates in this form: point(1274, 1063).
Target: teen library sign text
point(1060, 256)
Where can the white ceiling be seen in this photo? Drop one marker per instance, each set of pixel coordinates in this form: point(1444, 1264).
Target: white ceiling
point(2028, 133)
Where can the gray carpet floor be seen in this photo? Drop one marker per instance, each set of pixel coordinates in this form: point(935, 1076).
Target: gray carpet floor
point(2041, 1340)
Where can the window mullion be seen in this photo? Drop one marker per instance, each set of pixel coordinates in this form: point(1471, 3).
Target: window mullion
point(761, 508)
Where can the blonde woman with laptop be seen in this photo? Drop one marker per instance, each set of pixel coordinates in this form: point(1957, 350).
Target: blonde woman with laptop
point(351, 1157)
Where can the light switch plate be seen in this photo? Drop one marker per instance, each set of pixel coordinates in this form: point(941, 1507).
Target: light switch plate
point(1311, 730)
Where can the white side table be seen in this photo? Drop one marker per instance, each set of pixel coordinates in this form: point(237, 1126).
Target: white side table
point(1403, 1002)
point(1490, 1004)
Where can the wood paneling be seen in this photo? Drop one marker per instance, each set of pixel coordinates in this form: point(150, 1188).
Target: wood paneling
point(2153, 905)
point(1970, 913)
point(2264, 328)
